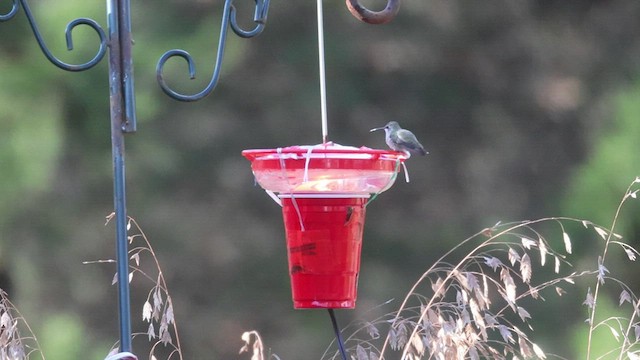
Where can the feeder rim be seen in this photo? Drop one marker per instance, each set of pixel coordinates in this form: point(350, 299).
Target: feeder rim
point(323, 195)
point(253, 154)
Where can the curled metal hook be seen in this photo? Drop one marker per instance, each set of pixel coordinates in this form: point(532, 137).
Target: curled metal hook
point(228, 20)
point(69, 29)
point(11, 13)
point(259, 17)
point(374, 17)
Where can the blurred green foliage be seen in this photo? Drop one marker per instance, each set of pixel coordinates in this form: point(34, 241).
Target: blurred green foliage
point(599, 182)
point(603, 339)
point(64, 337)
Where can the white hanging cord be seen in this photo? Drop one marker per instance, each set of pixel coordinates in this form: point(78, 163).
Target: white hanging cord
point(406, 172)
point(274, 197)
point(323, 85)
point(293, 199)
point(305, 176)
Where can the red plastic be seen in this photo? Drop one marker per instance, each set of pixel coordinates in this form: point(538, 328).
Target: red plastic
point(324, 240)
point(323, 190)
point(325, 168)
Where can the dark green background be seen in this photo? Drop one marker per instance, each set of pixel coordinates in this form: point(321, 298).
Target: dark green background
point(528, 108)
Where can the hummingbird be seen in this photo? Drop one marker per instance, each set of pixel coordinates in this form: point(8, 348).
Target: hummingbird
point(400, 139)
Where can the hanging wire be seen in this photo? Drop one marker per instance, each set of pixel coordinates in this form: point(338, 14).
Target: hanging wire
point(336, 329)
point(323, 83)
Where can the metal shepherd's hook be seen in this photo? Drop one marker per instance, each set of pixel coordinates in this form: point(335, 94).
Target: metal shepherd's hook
point(68, 31)
point(228, 20)
point(374, 17)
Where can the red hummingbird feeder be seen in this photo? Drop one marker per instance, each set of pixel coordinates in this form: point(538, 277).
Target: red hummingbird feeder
point(323, 191)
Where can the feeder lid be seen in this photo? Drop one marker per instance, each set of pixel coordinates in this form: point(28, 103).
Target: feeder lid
point(325, 168)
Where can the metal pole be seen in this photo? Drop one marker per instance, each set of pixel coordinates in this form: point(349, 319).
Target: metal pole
point(119, 72)
point(122, 106)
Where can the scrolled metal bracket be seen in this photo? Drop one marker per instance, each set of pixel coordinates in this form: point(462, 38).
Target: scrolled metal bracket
point(228, 20)
point(11, 13)
point(374, 17)
point(68, 34)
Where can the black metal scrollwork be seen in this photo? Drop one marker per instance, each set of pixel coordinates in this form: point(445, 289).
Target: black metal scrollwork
point(11, 13)
point(68, 34)
point(228, 20)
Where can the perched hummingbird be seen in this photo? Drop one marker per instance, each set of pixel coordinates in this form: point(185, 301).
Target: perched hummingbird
point(399, 139)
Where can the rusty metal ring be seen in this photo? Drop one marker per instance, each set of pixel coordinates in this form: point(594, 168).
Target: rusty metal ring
point(374, 17)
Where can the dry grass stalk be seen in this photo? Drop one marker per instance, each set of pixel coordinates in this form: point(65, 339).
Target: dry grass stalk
point(157, 309)
point(13, 345)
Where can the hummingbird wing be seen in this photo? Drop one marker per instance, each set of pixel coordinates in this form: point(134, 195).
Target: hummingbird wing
point(406, 139)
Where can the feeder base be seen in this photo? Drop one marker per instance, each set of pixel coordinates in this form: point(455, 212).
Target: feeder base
point(321, 287)
point(324, 241)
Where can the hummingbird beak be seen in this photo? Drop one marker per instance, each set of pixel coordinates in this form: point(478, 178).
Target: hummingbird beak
point(376, 129)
